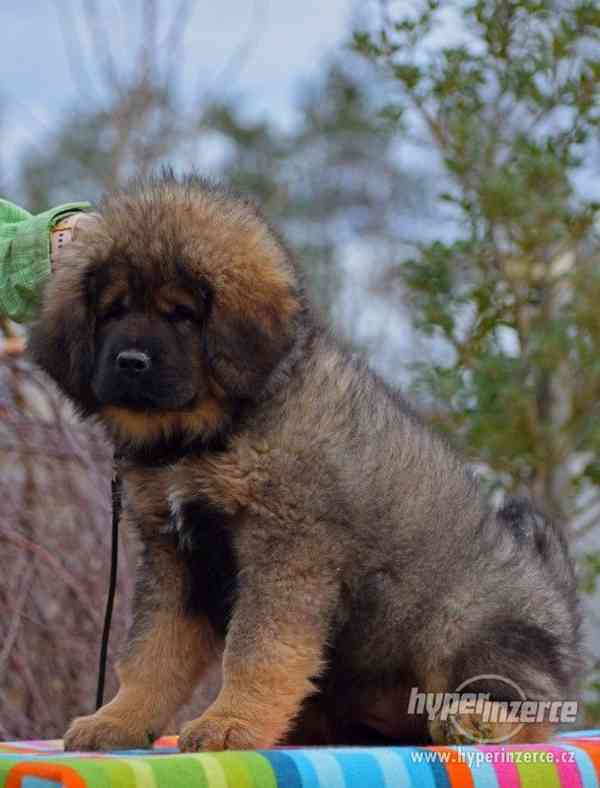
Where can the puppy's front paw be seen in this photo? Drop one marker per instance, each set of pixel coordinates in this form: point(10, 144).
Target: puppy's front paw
point(99, 732)
point(214, 731)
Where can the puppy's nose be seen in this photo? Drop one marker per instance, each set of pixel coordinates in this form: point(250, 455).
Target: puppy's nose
point(134, 362)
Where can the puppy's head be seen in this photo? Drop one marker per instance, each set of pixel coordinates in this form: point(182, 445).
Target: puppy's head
point(178, 304)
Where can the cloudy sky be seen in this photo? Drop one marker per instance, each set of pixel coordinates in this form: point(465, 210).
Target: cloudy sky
point(288, 42)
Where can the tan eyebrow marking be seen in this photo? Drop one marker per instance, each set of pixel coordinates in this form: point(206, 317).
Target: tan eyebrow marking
point(171, 296)
point(115, 291)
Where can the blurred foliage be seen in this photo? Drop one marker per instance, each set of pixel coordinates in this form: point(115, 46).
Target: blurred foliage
point(511, 109)
point(330, 179)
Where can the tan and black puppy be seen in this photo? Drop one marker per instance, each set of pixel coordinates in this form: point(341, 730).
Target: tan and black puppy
point(297, 521)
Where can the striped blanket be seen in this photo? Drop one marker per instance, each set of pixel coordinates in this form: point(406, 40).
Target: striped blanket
point(569, 761)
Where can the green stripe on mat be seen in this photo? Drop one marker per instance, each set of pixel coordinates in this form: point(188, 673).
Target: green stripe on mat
point(247, 770)
point(537, 774)
point(118, 771)
point(144, 775)
point(95, 772)
point(177, 771)
point(6, 764)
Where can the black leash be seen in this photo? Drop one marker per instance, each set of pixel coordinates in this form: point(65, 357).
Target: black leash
point(115, 489)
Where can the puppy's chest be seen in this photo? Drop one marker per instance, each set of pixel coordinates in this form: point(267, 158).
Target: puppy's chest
point(205, 543)
point(202, 536)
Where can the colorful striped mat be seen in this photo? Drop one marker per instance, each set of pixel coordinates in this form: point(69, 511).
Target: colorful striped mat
point(569, 761)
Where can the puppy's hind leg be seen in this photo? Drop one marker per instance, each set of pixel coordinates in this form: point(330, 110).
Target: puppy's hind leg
point(510, 630)
point(503, 687)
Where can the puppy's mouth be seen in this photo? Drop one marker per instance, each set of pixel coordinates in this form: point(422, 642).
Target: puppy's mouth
point(143, 401)
point(143, 398)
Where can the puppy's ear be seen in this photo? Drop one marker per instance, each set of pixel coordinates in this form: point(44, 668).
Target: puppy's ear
point(248, 332)
point(61, 342)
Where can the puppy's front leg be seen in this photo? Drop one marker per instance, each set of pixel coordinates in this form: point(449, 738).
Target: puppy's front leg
point(274, 648)
point(167, 654)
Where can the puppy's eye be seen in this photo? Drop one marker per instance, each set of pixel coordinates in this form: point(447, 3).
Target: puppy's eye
point(182, 313)
point(115, 311)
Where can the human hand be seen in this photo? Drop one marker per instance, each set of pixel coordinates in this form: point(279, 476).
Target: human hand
point(66, 230)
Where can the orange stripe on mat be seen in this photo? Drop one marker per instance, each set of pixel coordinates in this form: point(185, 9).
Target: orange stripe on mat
point(458, 770)
point(57, 772)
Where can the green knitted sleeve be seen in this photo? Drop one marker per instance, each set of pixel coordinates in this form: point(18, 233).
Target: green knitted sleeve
point(25, 257)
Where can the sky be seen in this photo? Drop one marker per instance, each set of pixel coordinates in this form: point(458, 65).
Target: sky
point(288, 39)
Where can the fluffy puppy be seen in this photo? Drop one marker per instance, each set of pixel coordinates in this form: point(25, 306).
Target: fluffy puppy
point(297, 521)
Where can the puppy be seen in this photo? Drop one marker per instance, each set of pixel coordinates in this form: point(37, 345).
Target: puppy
point(297, 521)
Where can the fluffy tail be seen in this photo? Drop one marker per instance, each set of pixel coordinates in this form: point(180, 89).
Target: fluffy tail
point(533, 531)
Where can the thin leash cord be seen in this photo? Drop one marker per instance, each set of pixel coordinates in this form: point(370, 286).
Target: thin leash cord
point(112, 584)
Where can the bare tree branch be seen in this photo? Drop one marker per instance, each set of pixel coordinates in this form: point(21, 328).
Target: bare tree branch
point(76, 62)
point(235, 63)
point(149, 42)
point(101, 43)
point(172, 44)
